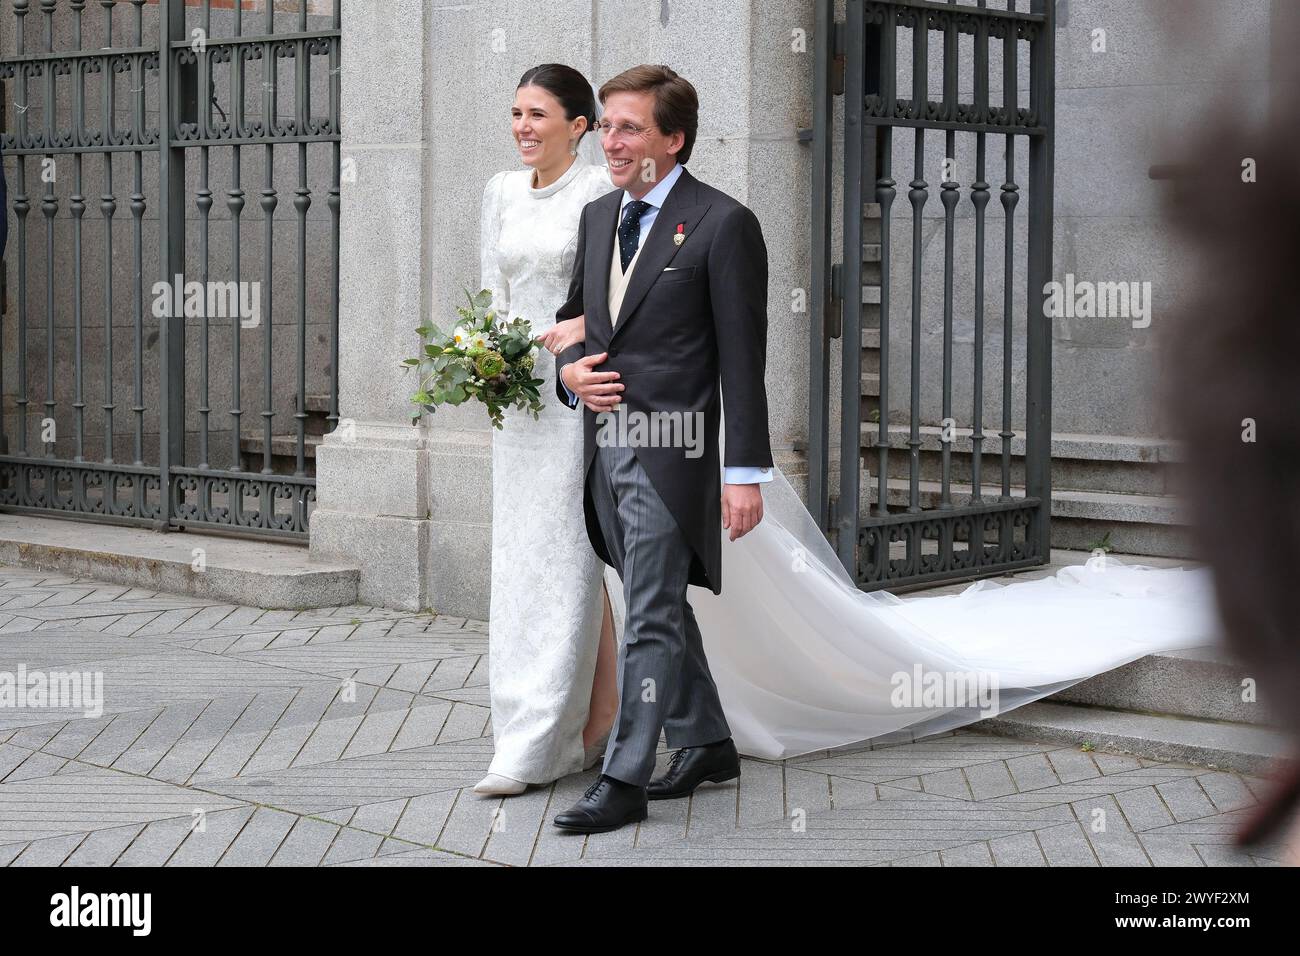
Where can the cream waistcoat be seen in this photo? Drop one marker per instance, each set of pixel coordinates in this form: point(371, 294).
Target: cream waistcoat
point(618, 279)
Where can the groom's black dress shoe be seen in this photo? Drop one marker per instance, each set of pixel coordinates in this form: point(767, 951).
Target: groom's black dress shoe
point(607, 805)
point(691, 766)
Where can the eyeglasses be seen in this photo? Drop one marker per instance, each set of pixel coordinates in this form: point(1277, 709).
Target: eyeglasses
point(623, 129)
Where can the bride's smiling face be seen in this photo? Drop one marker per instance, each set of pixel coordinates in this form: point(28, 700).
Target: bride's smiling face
point(542, 135)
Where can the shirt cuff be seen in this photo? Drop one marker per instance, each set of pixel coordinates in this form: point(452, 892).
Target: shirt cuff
point(746, 476)
point(573, 399)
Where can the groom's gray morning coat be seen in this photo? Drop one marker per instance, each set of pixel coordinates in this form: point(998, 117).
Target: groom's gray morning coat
point(677, 333)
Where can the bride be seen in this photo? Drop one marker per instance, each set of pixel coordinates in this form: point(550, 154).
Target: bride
point(803, 660)
point(551, 645)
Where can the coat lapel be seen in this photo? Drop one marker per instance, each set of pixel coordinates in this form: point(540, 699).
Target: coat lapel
point(604, 221)
point(679, 207)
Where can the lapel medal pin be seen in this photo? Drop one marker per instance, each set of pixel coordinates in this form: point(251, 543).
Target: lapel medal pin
point(681, 233)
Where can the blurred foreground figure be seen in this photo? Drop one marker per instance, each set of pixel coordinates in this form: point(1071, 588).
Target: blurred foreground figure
point(1235, 401)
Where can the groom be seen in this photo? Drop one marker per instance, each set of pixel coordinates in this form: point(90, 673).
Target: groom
point(672, 277)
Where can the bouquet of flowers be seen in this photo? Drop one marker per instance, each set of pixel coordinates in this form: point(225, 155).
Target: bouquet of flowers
point(483, 357)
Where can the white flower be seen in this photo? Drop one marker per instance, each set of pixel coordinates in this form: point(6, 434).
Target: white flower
point(478, 340)
point(461, 337)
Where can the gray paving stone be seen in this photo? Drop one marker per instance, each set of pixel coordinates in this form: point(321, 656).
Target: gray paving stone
point(359, 780)
point(11, 758)
point(9, 852)
point(1106, 828)
point(114, 740)
point(209, 839)
point(238, 711)
point(1185, 799)
point(35, 766)
point(1066, 845)
point(465, 722)
point(469, 825)
point(423, 724)
point(350, 845)
point(1226, 791)
point(378, 817)
point(1170, 850)
point(1116, 763)
point(989, 780)
point(421, 857)
point(809, 792)
point(248, 733)
point(49, 852)
point(972, 854)
point(424, 817)
point(762, 792)
point(555, 846)
point(714, 806)
point(76, 803)
point(342, 816)
point(200, 738)
point(515, 827)
point(70, 739)
point(156, 843)
point(1032, 772)
point(259, 839)
point(376, 733)
point(103, 847)
point(159, 737)
point(306, 844)
point(921, 859)
point(40, 737)
point(1070, 764)
point(1017, 849)
point(947, 783)
point(1218, 855)
point(450, 673)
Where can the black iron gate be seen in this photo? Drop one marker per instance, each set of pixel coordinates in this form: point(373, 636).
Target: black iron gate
point(122, 108)
point(927, 515)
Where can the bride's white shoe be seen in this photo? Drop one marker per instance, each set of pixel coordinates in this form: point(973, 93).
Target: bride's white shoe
point(495, 785)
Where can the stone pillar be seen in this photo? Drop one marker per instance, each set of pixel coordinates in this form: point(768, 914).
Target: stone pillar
point(373, 506)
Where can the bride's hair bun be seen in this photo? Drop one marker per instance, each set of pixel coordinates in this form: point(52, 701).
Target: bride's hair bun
point(568, 86)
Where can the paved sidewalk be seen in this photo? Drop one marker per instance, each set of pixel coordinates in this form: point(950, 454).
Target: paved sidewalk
point(351, 736)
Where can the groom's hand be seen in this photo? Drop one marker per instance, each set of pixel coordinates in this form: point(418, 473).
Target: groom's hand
point(599, 391)
point(742, 509)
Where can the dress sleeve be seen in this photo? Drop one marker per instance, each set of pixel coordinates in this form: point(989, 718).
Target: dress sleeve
point(490, 276)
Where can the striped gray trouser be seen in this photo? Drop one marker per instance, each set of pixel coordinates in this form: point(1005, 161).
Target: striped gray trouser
point(663, 677)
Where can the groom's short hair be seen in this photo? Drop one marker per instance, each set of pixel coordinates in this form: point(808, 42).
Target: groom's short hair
point(677, 105)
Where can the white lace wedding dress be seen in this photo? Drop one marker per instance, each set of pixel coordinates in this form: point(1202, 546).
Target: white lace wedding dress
point(546, 604)
point(803, 660)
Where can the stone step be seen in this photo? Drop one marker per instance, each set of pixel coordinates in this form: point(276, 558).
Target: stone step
point(318, 402)
point(1093, 463)
point(281, 445)
point(1080, 447)
point(1201, 682)
point(1097, 506)
point(1083, 520)
point(240, 571)
point(1244, 748)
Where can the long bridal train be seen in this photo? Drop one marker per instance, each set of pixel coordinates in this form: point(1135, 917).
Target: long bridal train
point(805, 661)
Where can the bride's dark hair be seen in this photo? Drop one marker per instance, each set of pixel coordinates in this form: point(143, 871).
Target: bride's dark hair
point(568, 86)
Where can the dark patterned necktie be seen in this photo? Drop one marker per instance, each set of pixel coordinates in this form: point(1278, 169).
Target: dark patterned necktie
point(629, 230)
